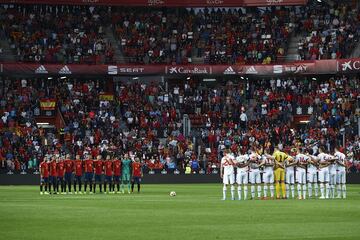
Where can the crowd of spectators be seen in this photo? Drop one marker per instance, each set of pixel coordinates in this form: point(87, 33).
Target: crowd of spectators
point(20, 138)
point(76, 34)
point(57, 34)
point(329, 32)
point(103, 117)
point(219, 36)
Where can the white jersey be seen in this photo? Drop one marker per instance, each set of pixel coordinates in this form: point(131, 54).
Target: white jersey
point(268, 164)
point(341, 158)
point(226, 163)
point(302, 160)
point(323, 158)
point(289, 168)
point(311, 167)
point(332, 166)
point(242, 159)
point(254, 161)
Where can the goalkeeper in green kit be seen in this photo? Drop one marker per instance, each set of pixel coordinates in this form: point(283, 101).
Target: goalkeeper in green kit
point(126, 170)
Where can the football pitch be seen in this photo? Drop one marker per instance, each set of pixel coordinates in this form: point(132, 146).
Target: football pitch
point(195, 213)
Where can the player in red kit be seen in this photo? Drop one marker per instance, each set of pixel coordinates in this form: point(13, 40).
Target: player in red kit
point(136, 174)
point(117, 174)
point(78, 169)
point(89, 173)
point(98, 165)
point(61, 173)
point(53, 174)
point(44, 176)
point(69, 166)
point(108, 173)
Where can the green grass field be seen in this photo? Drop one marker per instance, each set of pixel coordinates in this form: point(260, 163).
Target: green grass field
point(195, 213)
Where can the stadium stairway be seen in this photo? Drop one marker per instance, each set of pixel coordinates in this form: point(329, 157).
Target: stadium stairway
point(292, 52)
point(6, 54)
point(118, 56)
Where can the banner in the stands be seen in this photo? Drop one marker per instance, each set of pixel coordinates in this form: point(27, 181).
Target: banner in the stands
point(106, 97)
point(294, 68)
point(166, 3)
point(48, 104)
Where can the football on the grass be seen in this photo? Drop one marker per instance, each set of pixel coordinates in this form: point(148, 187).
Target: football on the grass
point(172, 194)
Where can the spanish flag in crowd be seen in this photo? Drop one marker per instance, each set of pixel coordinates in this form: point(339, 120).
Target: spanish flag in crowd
point(47, 104)
point(106, 97)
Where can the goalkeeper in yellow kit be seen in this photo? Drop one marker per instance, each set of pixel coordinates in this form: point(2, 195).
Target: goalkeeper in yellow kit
point(279, 171)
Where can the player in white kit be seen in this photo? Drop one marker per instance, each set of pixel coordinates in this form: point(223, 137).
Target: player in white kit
point(255, 178)
point(227, 173)
point(242, 173)
point(312, 176)
point(290, 177)
point(324, 173)
point(268, 175)
point(332, 175)
point(302, 161)
point(341, 173)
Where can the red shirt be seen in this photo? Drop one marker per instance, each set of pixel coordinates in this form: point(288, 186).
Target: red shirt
point(117, 167)
point(108, 168)
point(136, 169)
point(98, 164)
point(89, 166)
point(53, 169)
point(61, 168)
point(78, 167)
point(69, 166)
point(44, 169)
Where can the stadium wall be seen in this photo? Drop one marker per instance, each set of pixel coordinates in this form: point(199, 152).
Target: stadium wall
point(31, 179)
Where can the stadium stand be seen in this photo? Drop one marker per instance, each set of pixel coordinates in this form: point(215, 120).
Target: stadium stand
point(329, 32)
point(216, 36)
point(148, 120)
point(52, 34)
point(100, 115)
point(57, 34)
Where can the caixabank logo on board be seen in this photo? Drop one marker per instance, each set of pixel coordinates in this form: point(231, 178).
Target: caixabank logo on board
point(350, 65)
point(188, 70)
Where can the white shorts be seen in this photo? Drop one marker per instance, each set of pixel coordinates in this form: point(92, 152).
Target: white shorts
point(255, 177)
point(332, 178)
point(312, 177)
point(324, 175)
point(242, 177)
point(341, 177)
point(268, 177)
point(300, 175)
point(229, 179)
point(290, 178)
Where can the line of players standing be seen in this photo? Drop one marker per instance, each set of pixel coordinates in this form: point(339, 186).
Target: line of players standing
point(61, 173)
point(303, 168)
